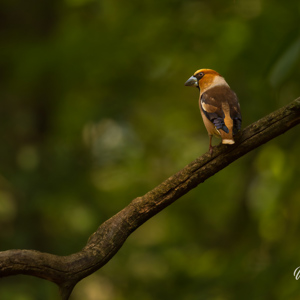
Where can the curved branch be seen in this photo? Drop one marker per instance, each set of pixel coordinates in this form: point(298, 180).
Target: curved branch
point(66, 271)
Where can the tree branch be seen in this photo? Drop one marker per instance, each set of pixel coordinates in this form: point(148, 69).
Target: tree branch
point(66, 271)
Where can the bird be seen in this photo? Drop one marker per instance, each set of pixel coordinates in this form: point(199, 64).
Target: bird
point(219, 106)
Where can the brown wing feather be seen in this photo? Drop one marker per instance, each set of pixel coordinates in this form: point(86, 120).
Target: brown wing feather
point(212, 109)
point(220, 105)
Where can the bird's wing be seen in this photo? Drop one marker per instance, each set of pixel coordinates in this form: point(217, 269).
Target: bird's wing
point(216, 102)
point(212, 109)
point(235, 114)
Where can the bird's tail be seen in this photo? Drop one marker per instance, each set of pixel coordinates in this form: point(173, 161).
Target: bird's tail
point(227, 137)
point(227, 141)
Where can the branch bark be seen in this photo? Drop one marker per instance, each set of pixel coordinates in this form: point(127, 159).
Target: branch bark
point(67, 271)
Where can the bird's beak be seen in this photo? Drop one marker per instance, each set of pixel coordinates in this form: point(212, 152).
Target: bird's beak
point(192, 81)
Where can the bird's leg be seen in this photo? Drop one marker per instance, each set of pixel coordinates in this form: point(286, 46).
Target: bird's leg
point(210, 146)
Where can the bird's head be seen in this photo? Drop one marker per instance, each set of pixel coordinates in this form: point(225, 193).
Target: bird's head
point(204, 79)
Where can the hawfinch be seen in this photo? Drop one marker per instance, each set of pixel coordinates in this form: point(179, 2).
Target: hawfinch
point(218, 104)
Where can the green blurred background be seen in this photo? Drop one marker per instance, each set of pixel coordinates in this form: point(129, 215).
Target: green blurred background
point(94, 113)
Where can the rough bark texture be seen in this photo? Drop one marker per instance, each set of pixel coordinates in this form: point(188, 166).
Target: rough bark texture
point(66, 271)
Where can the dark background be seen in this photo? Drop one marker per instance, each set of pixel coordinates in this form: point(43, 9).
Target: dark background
point(94, 113)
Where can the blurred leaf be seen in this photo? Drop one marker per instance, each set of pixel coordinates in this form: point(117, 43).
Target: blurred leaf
point(285, 63)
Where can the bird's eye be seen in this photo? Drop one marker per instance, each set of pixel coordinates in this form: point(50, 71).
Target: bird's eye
point(201, 74)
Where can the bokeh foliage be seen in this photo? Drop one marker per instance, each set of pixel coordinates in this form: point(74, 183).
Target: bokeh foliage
point(94, 113)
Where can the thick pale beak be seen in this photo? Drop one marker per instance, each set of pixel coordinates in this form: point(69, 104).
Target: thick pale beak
point(192, 81)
